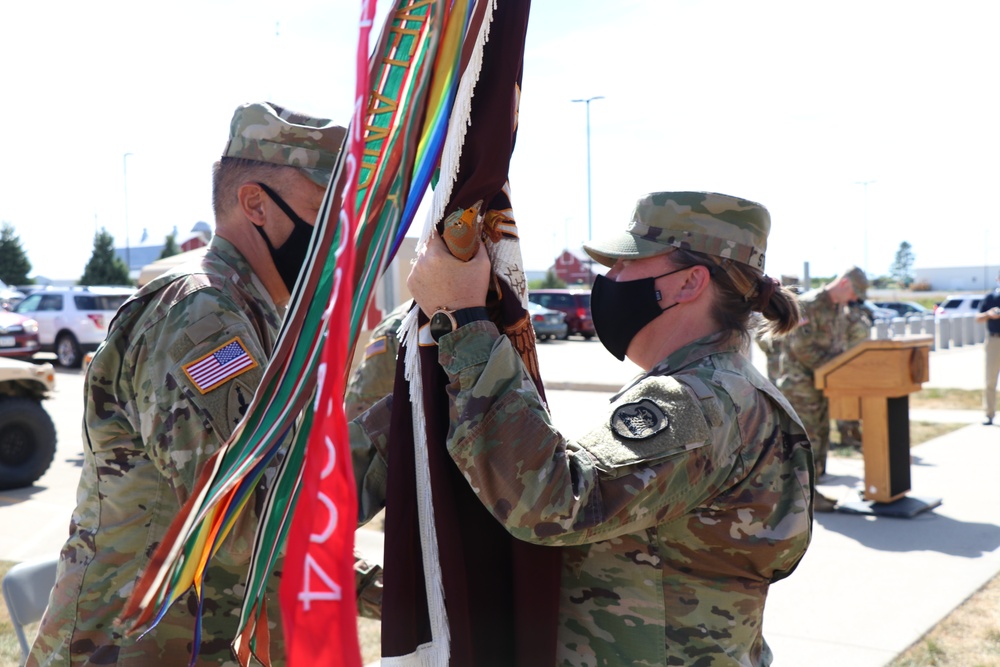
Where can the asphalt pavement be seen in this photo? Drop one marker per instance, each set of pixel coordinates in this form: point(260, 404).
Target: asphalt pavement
point(868, 587)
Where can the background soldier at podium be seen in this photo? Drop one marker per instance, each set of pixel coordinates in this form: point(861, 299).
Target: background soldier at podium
point(859, 328)
point(821, 336)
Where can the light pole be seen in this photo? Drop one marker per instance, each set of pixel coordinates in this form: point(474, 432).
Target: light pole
point(865, 184)
point(128, 250)
point(590, 231)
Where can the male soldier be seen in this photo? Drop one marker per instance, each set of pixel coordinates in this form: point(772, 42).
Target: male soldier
point(859, 329)
point(989, 312)
point(375, 375)
point(181, 361)
point(821, 336)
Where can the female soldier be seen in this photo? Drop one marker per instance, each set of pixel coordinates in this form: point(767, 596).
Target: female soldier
point(694, 493)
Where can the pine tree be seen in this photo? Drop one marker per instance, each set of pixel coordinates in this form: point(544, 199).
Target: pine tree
point(14, 264)
point(105, 267)
point(902, 268)
point(170, 247)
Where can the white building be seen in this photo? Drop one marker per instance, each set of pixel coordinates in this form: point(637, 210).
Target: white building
point(959, 278)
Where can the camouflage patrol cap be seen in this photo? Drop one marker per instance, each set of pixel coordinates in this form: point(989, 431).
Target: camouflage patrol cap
point(706, 222)
point(265, 132)
point(858, 281)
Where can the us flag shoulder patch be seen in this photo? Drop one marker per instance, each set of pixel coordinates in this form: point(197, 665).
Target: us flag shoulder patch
point(222, 364)
point(377, 346)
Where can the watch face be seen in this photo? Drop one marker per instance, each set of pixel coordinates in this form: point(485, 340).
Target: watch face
point(441, 324)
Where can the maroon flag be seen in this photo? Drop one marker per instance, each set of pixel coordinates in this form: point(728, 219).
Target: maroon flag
point(500, 594)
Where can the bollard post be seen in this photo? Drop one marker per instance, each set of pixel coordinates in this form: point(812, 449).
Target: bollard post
point(971, 330)
point(898, 326)
point(944, 331)
point(881, 329)
point(929, 326)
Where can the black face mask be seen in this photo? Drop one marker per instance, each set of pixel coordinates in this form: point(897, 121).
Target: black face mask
point(621, 309)
point(290, 257)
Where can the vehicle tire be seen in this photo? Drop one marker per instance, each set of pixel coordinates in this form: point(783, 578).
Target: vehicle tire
point(27, 442)
point(587, 336)
point(68, 351)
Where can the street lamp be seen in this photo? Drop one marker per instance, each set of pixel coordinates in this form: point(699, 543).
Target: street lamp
point(590, 231)
point(128, 250)
point(865, 184)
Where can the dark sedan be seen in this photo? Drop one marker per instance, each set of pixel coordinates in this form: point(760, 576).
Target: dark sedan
point(547, 323)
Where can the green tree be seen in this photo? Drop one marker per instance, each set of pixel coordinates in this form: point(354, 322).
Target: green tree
point(170, 247)
point(902, 268)
point(14, 264)
point(105, 267)
point(550, 281)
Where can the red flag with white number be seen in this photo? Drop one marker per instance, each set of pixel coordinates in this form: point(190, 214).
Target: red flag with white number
point(317, 591)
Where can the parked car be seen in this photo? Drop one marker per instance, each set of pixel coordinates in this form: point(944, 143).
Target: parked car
point(27, 434)
point(879, 313)
point(575, 303)
point(9, 297)
point(959, 304)
point(73, 320)
point(904, 308)
point(548, 323)
point(18, 336)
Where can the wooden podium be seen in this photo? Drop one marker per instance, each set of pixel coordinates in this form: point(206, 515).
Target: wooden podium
point(872, 382)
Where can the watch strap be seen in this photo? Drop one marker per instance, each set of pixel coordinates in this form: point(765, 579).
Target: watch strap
point(466, 315)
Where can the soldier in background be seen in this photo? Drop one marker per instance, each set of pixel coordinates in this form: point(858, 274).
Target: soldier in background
point(181, 362)
point(376, 373)
point(821, 336)
point(771, 347)
point(859, 329)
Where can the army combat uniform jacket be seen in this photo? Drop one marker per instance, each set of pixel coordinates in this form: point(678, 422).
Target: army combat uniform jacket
point(180, 364)
point(675, 513)
point(375, 375)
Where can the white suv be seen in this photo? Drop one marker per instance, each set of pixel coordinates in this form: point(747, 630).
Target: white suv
point(960, 304)
point(73, 320)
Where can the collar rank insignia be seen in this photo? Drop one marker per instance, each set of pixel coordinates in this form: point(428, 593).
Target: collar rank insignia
point(638, 421)
point(222, 364)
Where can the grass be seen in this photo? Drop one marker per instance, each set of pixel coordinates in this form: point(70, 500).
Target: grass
point(968, 637)
point(10, 650)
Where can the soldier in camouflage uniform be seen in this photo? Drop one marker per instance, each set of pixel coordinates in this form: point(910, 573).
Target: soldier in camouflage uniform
point(859, 329)
point(375, 375)
point(694, 493)
point(820, 337)
point(180, 365)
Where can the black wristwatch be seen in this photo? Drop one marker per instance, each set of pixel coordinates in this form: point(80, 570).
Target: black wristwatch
point(445, 321)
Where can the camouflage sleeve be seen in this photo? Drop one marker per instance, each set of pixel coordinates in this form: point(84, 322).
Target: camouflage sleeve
point(369, 437)
point(374, 376)
point(548, 490)
point(812, 344)
point(184, 417)
point(368, 584)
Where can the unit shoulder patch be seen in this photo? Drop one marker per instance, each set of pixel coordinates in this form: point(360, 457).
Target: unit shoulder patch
point(640, 420)
point(228, 361)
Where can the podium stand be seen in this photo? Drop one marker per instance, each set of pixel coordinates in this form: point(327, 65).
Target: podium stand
point(872, 382)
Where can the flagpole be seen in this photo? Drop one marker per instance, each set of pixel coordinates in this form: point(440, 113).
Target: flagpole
point(590, 231)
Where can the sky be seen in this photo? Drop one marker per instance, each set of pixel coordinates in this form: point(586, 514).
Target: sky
point(859, 124)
